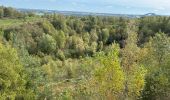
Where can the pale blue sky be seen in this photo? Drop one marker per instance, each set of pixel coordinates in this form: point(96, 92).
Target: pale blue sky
point(100, 6)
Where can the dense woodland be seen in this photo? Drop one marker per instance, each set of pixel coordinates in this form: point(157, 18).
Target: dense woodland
point(84, 58)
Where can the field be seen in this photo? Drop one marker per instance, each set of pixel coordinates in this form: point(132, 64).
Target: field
point(4, 23)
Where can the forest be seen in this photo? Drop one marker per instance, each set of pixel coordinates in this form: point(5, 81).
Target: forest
point(58, 57)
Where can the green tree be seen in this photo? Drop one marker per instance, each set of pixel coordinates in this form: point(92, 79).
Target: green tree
point(104, 35)
point(1, 35)
point(157, 60)
point(76, 44)
point(59, 22)
point(78, 26)
point(47, 44)
point(12, 78)
point(86, 37)
point(60, 39)
point(8, 12)
point(131, 62)
point(93, 47)
point(93, 35)
point(1, 12)
point(79, 45)
point(48, 28)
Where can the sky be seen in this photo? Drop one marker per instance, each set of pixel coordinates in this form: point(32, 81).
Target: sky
point(99, 6)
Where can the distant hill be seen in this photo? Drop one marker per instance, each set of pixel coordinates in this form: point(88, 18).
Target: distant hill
point(150, 14)
point(75, 13)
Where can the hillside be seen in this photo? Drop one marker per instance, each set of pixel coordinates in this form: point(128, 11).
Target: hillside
point(65, 57)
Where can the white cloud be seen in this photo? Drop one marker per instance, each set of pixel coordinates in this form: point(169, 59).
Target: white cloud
point(156, 10)
point(156, 4)
point(128, 7)
point(109, 6)
point(52, 0)
point(74, 3)
point(161, 8)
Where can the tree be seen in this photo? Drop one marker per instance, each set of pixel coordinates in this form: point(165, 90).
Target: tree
point(8, 12)
point(109, 77)
point(48, 28)
point(79, 46)
point(93, 47)
point(134, 71)
point(1, 12)
point(59, 22)
point(78, 26)
point(61, 39)
point(47, 44)
point(86, 37)
point(104, 35)
point(76, 44)
point(93, 36)
point(1, 35)
point(157, 60)
point(12, 78)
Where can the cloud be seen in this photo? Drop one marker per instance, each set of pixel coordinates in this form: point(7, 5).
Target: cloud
point(109, 6)
point(161, 8)
point(128, 7)
point(113, 6)
point(156, 10)
point(52, 0)
point(138, 3)
point(74, 3)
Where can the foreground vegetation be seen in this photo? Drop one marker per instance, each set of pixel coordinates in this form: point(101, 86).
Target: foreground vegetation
point(56, 57)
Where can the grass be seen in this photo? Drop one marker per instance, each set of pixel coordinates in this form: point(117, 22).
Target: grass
point(4, 23)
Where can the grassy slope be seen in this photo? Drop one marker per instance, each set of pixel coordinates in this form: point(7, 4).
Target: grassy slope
point(4, 23)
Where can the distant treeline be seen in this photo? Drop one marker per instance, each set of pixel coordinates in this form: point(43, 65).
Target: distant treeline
point(9, 12)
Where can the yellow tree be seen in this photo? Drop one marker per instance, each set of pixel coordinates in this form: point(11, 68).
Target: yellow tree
point(108, 80)
point(12, 81)
point(134, 71)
